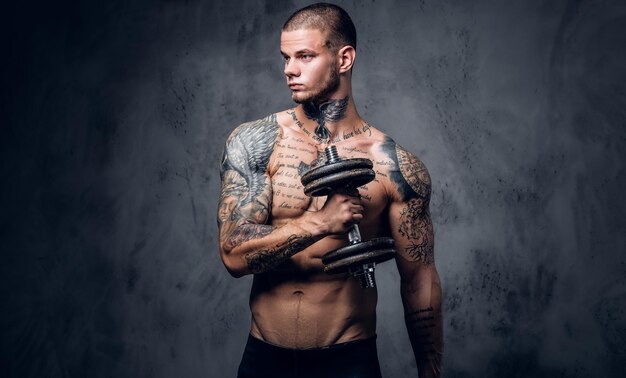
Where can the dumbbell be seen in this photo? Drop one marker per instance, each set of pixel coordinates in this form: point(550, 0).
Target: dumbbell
point(359, 257)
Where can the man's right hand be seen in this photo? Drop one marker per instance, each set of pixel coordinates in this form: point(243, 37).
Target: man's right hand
point(343, 209)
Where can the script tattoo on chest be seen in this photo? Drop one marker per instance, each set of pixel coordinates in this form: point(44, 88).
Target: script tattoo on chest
point(330, 111)
point(289, 166)
point(319, 160)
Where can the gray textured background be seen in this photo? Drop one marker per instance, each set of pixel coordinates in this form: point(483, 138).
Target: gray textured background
point(113, 119)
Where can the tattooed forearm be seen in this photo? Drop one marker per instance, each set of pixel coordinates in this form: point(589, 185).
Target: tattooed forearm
point(424, 326)
point(265, 259)
point(247, 232)
point(330, 111)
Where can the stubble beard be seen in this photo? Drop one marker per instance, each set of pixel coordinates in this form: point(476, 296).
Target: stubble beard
point(326, 89)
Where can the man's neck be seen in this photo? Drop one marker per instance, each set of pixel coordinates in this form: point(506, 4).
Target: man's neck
point(331, 117)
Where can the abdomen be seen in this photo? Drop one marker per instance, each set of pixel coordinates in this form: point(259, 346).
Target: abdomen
point(313, 310)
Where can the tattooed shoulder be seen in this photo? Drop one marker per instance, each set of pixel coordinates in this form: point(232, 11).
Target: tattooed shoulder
point(250, 145)
point(412, 182)
point(408, 172)
point(246, 190)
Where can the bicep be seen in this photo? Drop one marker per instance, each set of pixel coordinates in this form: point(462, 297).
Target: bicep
point(242, 211)
point(239, 201)
point(246, 191)
point(420, 286)
point(412, 230)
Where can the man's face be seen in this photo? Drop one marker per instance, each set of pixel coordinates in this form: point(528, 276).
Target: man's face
point(310, 67)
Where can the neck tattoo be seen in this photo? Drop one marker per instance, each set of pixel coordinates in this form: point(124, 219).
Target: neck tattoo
point(329, 111)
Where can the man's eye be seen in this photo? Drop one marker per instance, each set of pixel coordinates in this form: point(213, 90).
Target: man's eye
point(306, 57)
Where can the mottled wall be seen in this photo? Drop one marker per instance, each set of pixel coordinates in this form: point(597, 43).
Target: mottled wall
point(113, 119)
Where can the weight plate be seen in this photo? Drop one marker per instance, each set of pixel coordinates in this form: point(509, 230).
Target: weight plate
point(358, 248)
point(340, 166)
point(325, 185)
point(342, 266)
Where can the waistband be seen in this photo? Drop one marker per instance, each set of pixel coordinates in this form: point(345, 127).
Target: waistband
point(312, 352)
point(356, 358)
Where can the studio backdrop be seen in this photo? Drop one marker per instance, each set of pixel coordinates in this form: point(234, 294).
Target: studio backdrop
point(114, 117)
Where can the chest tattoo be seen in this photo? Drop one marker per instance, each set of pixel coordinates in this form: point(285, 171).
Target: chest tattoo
point(319, 160)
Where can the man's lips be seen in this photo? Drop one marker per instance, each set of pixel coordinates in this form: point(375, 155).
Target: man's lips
point(295, 86)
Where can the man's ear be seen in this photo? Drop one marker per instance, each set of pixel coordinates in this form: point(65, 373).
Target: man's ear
point(346, 56)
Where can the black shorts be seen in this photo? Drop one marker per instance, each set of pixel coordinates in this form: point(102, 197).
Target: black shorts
point(354, 359)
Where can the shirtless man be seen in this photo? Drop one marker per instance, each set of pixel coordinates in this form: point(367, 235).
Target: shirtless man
point(306, 322)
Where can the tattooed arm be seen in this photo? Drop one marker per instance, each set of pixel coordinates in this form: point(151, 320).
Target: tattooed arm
point(248, 244)
point(412, 230)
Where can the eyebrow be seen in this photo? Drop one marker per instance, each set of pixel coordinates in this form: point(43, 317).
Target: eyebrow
point(300, 52)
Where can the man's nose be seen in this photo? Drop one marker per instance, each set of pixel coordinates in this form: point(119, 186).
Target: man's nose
point(291, 68)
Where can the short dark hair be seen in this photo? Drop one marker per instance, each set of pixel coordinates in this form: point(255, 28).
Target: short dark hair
point(327, 18)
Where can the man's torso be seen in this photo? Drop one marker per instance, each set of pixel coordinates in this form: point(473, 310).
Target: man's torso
point(297, 305)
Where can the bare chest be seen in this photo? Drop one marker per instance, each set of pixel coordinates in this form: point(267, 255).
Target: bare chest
point(293, 156)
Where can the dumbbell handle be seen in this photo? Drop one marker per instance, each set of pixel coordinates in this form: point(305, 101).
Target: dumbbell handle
point(354, 235)
point(364, 272)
